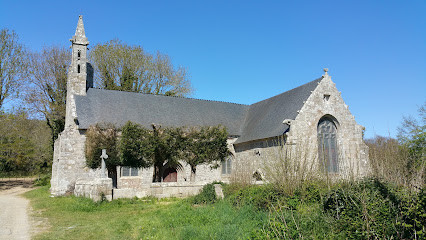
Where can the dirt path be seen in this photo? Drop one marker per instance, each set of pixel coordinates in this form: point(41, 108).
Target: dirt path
point(14, 210)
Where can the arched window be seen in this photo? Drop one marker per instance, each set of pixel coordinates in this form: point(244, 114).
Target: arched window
point(327, 145)
point(79, 54)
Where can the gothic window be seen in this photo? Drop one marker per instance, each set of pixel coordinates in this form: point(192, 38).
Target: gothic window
point(79, 54)
point(327, 145)
point(227, 166)
point(129, 172)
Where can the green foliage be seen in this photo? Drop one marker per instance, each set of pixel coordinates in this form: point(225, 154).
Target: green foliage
point(412, 136)
point(100, 137)
point(373, 209)
point(413, 214)
point(43, 180)
point(204, 145)
point(147, 218)
point(135, 146)
point(13, 65)
point(367, 209)
point(259, 196)
point(167, 146)
point(162, 147)
point(207, 195)
point(306, 222)
point(119, 66)
point(24, 145)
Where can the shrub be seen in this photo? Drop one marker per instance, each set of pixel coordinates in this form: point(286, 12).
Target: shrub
point(374, 209)
point(412, 223)
point(207, 195)
point(259, 196)
point(43, 180)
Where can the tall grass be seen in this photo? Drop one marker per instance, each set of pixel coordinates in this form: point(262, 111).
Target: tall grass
point(290, 167)
point(392, 162)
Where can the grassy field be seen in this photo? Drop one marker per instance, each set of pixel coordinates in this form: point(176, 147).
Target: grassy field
point(364, 209)
point(80, 218)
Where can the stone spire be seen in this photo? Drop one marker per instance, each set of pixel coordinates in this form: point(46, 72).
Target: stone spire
point(80, 35)
point(80, 74)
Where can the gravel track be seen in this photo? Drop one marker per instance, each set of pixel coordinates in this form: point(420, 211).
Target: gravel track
point(14, 211)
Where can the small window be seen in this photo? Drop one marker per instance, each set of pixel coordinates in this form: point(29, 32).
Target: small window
point(257, 176)
point(326, 97)
point(227, 166)
point(129, 172)
point(79, 54)
point(78, 68)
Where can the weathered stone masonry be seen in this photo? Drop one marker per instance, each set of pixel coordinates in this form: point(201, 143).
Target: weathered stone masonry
point(256, 132)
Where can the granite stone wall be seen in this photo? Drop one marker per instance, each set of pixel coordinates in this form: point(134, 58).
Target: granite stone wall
point(301, 142)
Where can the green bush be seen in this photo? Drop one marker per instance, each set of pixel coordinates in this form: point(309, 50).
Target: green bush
point(43, 180)
point(207, 195)
point(259, 196)
point(412, 223)
point(366, 209)
point(374, 209)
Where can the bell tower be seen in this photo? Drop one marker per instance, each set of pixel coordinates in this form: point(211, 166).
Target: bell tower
point(80, 72)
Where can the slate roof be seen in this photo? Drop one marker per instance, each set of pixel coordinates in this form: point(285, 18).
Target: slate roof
point(117, 107)
point(265, 118)
point(250, 122)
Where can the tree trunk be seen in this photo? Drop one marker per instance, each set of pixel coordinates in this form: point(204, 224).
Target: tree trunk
point(158, 172)
point(193, 170)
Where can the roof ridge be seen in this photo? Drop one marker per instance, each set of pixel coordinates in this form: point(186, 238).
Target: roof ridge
point(161, 95)
point(289, 90)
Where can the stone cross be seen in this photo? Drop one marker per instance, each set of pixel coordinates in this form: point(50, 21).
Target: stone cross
point(103, 157)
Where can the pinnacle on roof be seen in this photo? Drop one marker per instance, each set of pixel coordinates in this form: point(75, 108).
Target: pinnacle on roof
point(80, 36)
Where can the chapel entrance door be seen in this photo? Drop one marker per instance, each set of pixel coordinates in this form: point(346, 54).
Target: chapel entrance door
point(170, 175)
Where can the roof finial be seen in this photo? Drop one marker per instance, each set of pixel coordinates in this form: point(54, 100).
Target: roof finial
point(325, 72)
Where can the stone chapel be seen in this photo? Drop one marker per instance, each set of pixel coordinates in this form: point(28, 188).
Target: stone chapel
point(311, 120)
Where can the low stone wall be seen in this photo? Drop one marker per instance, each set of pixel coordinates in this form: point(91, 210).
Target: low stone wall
point(94, 188)
point(159, 190)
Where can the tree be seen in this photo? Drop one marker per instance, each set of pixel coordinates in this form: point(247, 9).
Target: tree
point(100, 137)
point(412, 136)
point(161, 148)
point(46, 92)
point(167, 144)
point(24, 144)
point(205, 145)
point(13, 65)
point(119, 66)
point(136, 148)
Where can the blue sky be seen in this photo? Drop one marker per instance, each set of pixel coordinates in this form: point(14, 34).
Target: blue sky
point(246, 51)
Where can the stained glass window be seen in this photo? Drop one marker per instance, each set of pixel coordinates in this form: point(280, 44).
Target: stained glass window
point(327, 145)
